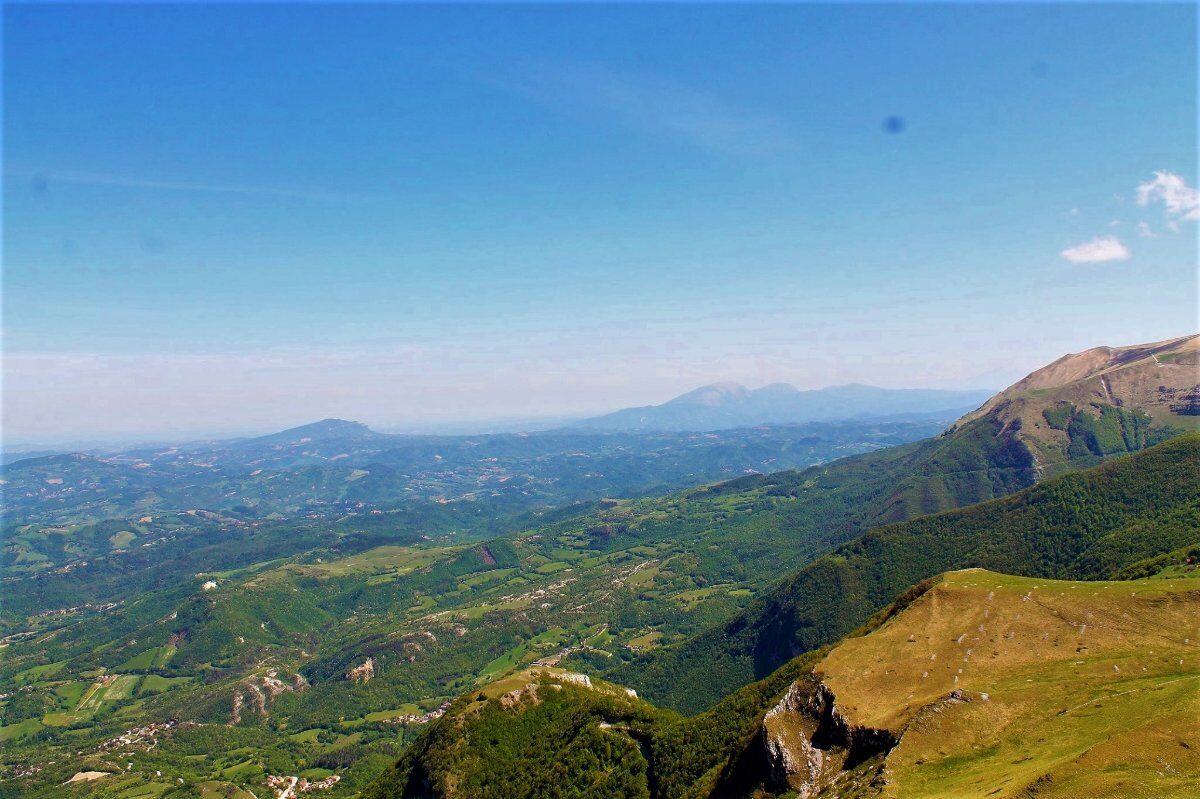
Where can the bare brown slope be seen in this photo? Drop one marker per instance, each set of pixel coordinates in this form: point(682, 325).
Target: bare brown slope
point(1144, 389)
point(1105, 360)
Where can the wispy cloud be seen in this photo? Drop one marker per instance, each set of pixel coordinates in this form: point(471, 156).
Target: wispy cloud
point(652, 105)
point(1182, 202)
point(1145, 231)
point(1098, 250)
point(43, 181)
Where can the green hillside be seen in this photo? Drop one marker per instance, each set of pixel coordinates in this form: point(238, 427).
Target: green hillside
point(1085, 526)
point(975, 684)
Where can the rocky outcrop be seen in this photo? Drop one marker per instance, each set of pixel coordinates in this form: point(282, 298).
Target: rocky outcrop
point(511, 699)
point(575, 679)
point(362, 672)
point(808, 742)
point(257, 692)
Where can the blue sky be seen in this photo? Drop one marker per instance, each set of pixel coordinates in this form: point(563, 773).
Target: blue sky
point(223, 217)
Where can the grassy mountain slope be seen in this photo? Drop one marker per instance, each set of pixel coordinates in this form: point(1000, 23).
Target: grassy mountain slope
point(1084, 525)
point(974, 684)
point(992, 685)
point(1070, 414)
point(1099, 402)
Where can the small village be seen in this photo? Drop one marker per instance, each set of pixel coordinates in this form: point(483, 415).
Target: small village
point(285, 787)
point(144, 737)
point(422, 718)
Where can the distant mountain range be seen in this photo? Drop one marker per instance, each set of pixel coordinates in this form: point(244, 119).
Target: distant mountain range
point(726, 405)
point(337, 461)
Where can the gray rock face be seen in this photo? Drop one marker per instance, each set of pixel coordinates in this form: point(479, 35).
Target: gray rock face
point(808, 742)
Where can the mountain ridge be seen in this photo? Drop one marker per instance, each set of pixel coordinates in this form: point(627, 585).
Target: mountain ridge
point(1104, 660)
point(833, 594)
point(1057, 420)
point(321, 430)
point(1098, 402)
point(728, 404)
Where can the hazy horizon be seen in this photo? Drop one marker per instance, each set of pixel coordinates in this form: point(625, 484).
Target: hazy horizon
point(434, 426)
point(575, 209)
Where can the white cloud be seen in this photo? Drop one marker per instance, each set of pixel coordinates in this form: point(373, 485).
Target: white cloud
point(1098, 250)
point(1181, 200)
point(1145, 231)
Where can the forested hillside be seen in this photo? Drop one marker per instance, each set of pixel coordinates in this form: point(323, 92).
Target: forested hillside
point(973, 684)
point(344, 467)
point(1084, 526)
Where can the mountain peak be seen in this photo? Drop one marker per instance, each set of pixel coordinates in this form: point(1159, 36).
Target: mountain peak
point(1099, 402)
point(333, 426)
point(712, 395)
point(1159, 378)
point(1097, 360)
point(722, 406)
point(776, 390)
point(320, 431)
